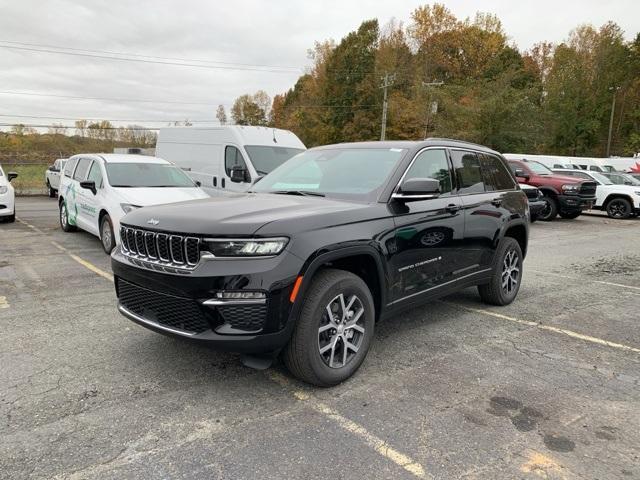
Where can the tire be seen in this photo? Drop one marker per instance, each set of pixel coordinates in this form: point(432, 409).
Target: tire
point(619, 208)
point(508, 261)
point(533, 217)
point(107, 239)
point(9, 219)
point(52, 192)
point(570, 215)
point(304, 355)
point(64, 219)
point(550, 211)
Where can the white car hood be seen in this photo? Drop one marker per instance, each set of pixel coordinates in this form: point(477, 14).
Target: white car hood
point(144, 197)
point(628, 189)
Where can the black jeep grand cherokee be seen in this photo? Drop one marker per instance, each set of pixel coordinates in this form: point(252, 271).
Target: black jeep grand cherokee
point(333, 240)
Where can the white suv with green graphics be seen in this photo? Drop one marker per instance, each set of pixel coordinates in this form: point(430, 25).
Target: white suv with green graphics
point(97, 190)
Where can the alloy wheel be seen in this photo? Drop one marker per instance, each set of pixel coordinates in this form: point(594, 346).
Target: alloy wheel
point(63, 215)
point(106, 235)
point(341, 332)
point(510, 272)
point(432, 238)
point(617, 209)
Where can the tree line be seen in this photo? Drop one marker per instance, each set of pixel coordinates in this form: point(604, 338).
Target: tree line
point(462, 78)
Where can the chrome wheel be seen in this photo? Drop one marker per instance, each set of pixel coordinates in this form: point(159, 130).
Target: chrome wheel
point(341, 331)
point(63, 215)
point(510, 272)
point(107, 238)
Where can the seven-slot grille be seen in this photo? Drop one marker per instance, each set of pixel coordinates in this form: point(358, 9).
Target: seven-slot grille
point(173, 250)
point(588, 188)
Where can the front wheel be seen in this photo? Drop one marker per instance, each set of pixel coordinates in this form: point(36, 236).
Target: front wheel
point(507, 274)
point(570, 215)
point(52, 191)
point(550, 210)
point(334, 330)
point(106, 234)
point(619, 208)
point(64, 219)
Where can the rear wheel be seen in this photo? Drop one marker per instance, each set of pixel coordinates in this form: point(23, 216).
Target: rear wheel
point(619, 208)
point(507, 274)
point(106, 234)
point(570, 215)
point(550, 210)
point(334, 330)
point(64, 219)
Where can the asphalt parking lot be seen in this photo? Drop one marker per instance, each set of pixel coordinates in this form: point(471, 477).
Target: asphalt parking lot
point(548, 387)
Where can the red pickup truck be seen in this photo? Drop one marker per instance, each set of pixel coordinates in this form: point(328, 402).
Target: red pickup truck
point(566, 196)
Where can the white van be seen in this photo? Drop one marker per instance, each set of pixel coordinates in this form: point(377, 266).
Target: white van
point(228, 158)
point(97, 190)
point(557, 161)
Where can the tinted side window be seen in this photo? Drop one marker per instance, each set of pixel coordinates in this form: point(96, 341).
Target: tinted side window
point(233, 158)
point(432, 164)
point(95, 174)
point(69, 166)
point(81, 172)
point(496, 176)
point(467, 167)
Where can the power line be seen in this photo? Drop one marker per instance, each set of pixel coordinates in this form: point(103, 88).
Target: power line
point(73, 127)
point(289, 67)
point(107, 119)
point(156, 62)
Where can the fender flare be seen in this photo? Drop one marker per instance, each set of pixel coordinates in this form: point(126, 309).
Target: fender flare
point(319, 258)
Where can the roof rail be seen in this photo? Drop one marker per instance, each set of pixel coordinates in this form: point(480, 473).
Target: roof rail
point(444, 139)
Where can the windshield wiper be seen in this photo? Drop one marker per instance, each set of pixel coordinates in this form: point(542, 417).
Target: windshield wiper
point(304, 193)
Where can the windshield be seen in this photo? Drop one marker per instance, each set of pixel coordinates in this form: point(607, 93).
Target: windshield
point(538, 168)
point(601, 178)
point(146, 175)
point(265, 159)
point(352, 173)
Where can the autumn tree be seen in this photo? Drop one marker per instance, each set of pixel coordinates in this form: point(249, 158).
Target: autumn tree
point(221, 115)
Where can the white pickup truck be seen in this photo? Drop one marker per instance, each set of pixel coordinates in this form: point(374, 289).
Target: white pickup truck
point(52, 176)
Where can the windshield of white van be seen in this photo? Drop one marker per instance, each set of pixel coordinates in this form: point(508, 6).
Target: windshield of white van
point(143, 175)
point(350, 173)
point(265, 159)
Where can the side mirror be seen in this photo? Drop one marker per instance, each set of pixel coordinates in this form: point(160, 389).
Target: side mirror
point(521, 174)
point(198, 183)
point(238, 175)
point(418, 189)
point(11, 175)
point(89, 185)
point(51, 168)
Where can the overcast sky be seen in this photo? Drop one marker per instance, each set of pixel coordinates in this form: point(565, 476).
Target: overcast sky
point(274, 33)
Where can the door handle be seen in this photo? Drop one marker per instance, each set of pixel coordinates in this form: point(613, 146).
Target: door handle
point(223, 182)
point(452, 208)
point(496, 202)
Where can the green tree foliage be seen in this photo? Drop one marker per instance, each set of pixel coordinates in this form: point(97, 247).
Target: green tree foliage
point(251, 109)
point(551, 99)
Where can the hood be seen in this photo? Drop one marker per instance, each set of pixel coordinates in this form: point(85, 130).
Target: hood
point(628, 189)
point(245, 214)
point(567, 178)
point(156, 196)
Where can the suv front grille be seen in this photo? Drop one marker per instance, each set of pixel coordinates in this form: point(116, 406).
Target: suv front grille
point(173, 312)
point(588, 189)
point(175, 251)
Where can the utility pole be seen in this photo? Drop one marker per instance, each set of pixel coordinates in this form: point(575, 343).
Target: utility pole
point(428, 85)
point(387, 81)
point(613, 108)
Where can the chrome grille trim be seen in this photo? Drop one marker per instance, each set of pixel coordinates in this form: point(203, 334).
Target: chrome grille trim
point(174, 251)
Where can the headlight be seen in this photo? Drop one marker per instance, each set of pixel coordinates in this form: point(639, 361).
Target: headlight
point(246, 248)
point(126, 208)
point(571, 188)
point(3, 190)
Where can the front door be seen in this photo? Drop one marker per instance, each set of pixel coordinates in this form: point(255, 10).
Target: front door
point(91, 201)
point(427, 232)
point(77, 204)
point(233, 158)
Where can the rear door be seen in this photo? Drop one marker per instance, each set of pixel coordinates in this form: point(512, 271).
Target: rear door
point(428, 233)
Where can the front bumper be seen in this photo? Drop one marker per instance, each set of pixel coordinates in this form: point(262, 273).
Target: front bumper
point(575, 202)
point(536, 207)
point(7, 204)
point(185, 304)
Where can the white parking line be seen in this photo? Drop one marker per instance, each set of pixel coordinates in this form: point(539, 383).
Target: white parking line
point(549, 328)
point(4, 303)
point(582, 279)
point(377, 444)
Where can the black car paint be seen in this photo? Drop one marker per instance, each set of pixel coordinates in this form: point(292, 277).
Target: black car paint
point(388, 234)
